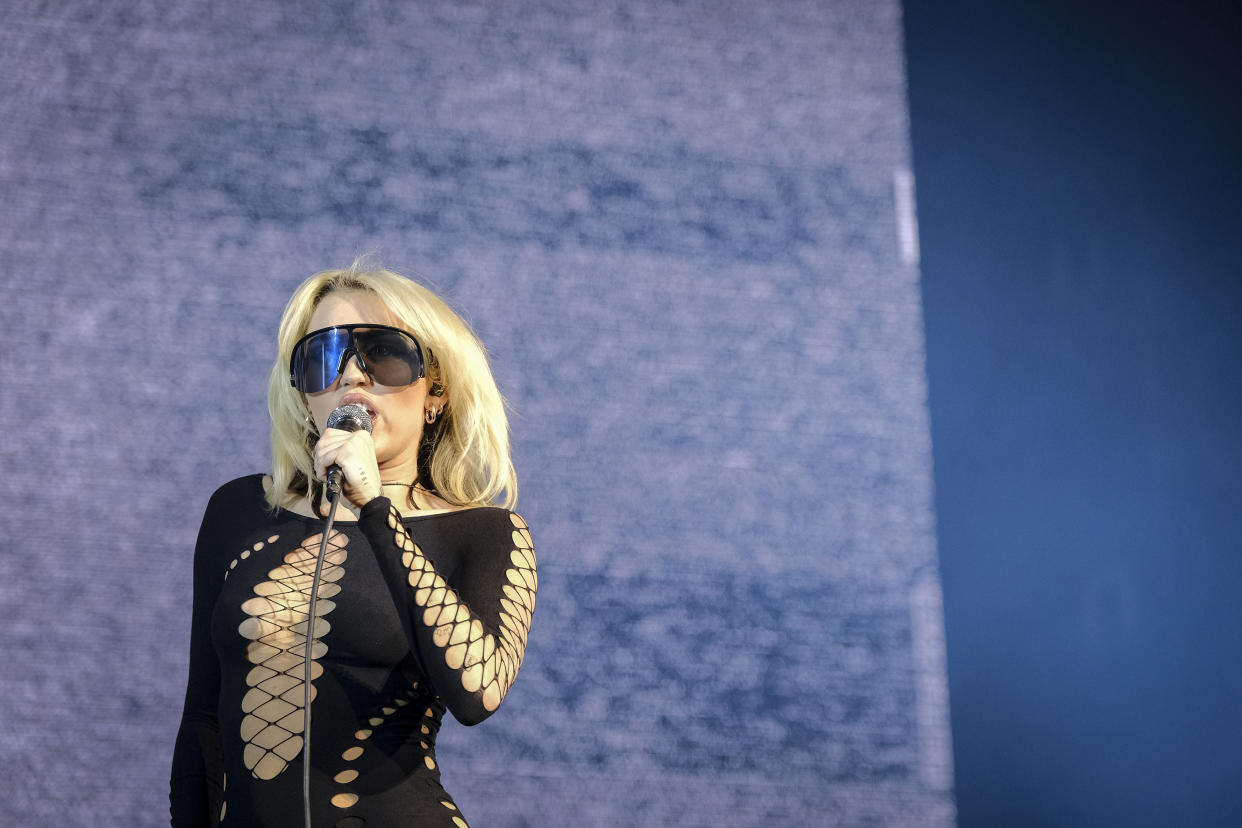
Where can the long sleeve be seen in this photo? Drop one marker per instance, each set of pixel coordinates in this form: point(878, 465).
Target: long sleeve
point(195, 782)
point(469, 626)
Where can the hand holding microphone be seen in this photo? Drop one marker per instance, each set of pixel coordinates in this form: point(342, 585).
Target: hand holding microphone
point(344, 448)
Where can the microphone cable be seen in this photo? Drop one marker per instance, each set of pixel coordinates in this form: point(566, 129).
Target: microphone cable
point(334, 495)
point(348, 417)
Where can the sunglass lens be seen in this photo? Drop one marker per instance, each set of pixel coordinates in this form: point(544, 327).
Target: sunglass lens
point(392, 357)
point(317, 359)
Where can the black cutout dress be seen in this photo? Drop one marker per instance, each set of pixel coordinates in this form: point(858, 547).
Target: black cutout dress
point(415, 615)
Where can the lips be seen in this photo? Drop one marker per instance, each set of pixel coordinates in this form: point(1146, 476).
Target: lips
point(361, 400)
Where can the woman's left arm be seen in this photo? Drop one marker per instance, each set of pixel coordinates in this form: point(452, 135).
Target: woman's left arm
point(471, 634)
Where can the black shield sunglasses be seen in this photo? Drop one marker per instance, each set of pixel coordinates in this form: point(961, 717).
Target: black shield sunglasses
point(390, 356)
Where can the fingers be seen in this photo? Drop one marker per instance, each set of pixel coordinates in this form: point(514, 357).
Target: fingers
point(336, 445)
point(354, 453)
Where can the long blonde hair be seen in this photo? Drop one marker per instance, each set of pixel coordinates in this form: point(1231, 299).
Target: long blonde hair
point(469, 460)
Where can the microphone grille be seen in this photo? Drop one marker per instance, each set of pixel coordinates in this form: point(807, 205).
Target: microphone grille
point(350, 417)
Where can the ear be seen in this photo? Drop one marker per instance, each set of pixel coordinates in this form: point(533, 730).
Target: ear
point(435, 389)
point(435, 403)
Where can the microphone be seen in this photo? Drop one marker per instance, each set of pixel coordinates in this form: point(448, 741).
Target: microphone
point(350, 417)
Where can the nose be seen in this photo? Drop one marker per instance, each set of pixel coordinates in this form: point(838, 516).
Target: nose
point(352, 371)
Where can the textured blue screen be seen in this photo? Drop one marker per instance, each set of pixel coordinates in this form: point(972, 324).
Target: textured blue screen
point(684, 232)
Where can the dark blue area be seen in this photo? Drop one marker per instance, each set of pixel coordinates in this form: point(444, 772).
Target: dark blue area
point(1078, 171)
point(293, 172)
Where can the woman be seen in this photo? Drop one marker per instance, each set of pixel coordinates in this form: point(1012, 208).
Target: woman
point(426, 589)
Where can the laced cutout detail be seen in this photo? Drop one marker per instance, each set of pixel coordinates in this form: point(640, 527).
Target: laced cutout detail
point(277, 630)
point(486, 661)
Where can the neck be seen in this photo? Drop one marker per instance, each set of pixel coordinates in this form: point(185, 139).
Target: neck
point(407, 494)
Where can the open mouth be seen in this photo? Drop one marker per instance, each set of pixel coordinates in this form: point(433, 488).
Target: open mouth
point(358, 399)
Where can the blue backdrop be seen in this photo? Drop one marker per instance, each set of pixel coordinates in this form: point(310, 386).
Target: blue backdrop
point(686, 232)
point(1079, 167)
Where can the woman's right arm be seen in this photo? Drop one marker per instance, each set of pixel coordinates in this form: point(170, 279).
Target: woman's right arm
point(195, 784)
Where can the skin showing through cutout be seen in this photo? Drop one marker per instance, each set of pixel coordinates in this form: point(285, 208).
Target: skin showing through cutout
point(487, 663)
point(276, 627)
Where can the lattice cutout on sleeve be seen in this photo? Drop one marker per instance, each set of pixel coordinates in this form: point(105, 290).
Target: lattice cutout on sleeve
point(484, 661)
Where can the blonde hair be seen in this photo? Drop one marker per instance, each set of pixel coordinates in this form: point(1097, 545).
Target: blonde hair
point(469, 446)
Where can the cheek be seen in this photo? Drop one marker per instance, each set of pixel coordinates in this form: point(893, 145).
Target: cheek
point(408, 407)
point(406, 417)
point(320, 409)
point(407, 423)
